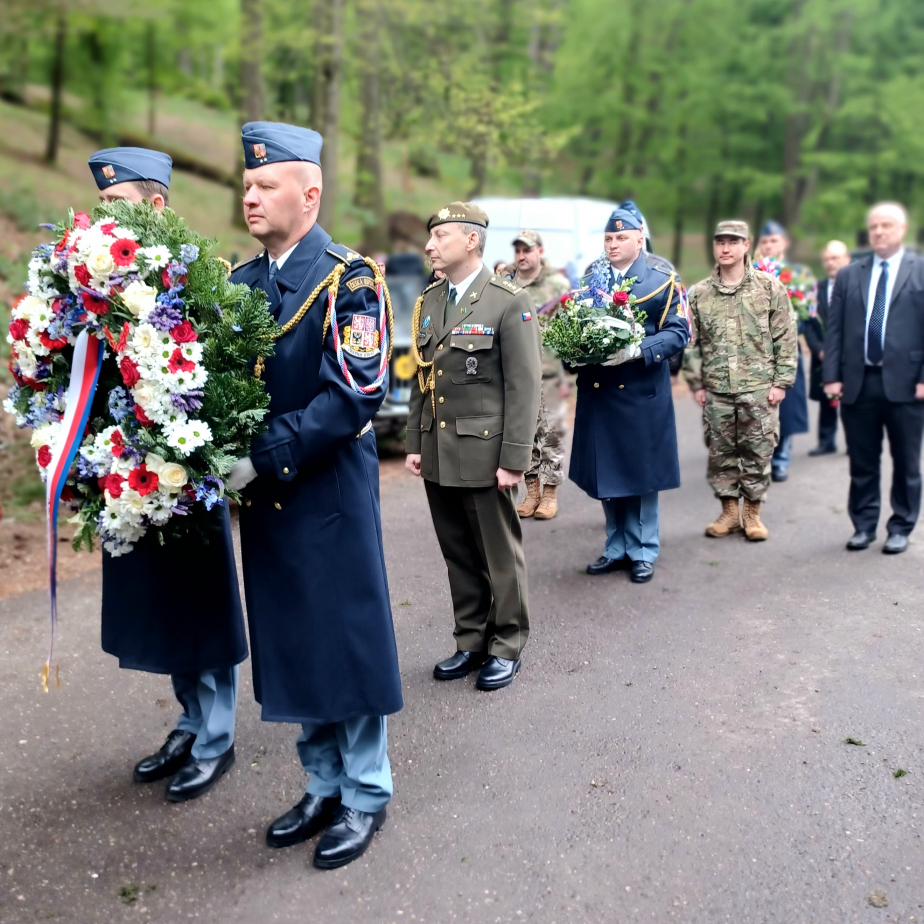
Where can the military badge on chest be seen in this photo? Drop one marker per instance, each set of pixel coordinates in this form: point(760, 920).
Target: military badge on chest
point(471, 365)
point(360, 338)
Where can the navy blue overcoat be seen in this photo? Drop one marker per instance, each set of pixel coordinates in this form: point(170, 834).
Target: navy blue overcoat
point(175, 608)
point(794, 407)
point(625, 438)
point(321, 634)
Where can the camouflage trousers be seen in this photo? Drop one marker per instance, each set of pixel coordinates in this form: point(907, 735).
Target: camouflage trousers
point(549, 442)
point(741, 433)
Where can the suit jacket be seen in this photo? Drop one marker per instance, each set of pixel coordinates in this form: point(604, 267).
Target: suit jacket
point(487, 374)
point(814, 331)
point(321, 633)
point(845, 338)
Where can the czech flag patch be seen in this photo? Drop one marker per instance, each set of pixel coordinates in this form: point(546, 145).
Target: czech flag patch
point(527, 316)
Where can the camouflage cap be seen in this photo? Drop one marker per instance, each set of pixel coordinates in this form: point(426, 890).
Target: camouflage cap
point(459, 211)
point(528, 237)
point(733, 229)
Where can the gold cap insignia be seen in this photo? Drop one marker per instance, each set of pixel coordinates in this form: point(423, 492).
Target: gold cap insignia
point(442, 213)
point(109, 171)
point(619, 225)
point(259, 150)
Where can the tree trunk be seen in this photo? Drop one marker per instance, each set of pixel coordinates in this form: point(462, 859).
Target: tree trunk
point(368, 191)
point(251, 80)
point(151, 50)
point(326, 105)
point(57, 86)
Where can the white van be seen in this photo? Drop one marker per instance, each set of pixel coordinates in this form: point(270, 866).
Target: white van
point(571, 229)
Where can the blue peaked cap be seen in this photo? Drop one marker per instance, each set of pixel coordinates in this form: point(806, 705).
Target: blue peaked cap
point(772, 227)
point(126, 165)
point(625, 219)
point(274, 142)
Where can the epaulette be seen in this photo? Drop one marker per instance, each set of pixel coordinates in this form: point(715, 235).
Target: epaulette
point(237, 266)
point(345, 255)
point(433, 285)
point(506, 284)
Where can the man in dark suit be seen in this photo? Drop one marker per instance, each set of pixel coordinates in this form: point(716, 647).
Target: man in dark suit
point(874, 362)
point(834, 257)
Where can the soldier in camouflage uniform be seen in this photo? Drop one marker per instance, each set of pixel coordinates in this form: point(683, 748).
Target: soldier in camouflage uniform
point(741, 358)
point(545, 287)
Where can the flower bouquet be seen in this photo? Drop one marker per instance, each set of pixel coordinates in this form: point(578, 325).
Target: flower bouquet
point(132, 299)
point(597, 324)
point(801, 287)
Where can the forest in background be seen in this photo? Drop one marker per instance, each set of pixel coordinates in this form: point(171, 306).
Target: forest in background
point(803, 110)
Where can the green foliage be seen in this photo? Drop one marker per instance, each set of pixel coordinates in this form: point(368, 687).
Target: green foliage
point(19, 203)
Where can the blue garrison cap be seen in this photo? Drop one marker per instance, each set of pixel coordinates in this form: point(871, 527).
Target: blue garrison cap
point(125, 165)
point(625, 219)
point(772, 227)
point(273, 142)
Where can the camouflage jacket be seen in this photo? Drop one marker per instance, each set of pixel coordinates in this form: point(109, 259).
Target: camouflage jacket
point(548, 286)
point(743, 337)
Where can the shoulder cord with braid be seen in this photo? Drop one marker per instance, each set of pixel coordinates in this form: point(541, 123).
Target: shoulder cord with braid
point(427, 384)
point(672, 282)
point(332, 283)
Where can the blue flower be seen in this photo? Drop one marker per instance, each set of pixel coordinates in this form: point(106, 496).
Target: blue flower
point(210, 491)
point(119, 405)
point(189, 253)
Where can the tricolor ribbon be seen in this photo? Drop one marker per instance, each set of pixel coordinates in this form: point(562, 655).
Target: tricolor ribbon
point(88, 358)
point(341, 359)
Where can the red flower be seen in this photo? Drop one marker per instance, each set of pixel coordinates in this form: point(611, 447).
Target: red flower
point(620, 298)
point(19, 328)
point(564, 298)
point(82, 274)
point(113, 484)
point(94, 304)
point(101, 481)
point(178, 363)
point(142, 481)
point(170, 283)
point(118, 443)
point(67, 494)
point(109, 338)
point(142, 418)
point(50, 344)
point(129, 370)
point(62, 244)
point(123, 251)
point(82, 221)
point(108, 228)
point(44, 456)
point(785, 276)
point(123, 337)
point(184, 333)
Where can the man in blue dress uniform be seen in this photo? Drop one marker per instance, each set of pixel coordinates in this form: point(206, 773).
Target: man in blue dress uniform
point(774, 242)
point(625, 440)
point(188, 621)
point(324, 652)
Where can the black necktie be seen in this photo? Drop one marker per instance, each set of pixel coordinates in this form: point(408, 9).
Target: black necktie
point(450, 303)
point(877, 318)
point(275, 295)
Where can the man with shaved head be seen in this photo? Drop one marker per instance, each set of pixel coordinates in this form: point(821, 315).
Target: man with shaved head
point(874, 363)
point(834, 257)
point(322, 640)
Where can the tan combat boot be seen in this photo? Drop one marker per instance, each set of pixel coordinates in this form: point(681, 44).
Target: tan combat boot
point(753, 528)
point(729, 520)
point(548, 505)
point(531, 501)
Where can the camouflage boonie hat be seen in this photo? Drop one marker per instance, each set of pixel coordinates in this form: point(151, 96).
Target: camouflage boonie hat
point(528, 237)
point(459, 211)
point(733, 229)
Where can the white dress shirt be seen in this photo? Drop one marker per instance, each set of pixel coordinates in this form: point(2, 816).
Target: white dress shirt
point(284, 256)
point(894, 262)
point(463, 285)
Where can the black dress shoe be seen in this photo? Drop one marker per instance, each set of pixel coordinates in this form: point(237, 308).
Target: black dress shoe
point(603, 565)
point(860, 540)
point(174, 753)
point(895, 543)
point(302, 822)
point(497, 673)
point(823, 450)
point(198, 776)
point(461, 664)
point(347, 838)
point(642, 572)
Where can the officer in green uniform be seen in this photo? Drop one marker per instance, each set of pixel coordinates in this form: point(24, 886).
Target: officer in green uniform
point(470, 430)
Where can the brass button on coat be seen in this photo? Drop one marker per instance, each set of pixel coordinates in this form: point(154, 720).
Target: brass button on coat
point(442, 399)
point(658, 356)
point(471, 346)
point(596, 384)
point(442, 425)
point(277, 505)
point(285, 470)
point(440, 347)
point(485, 432)
point(439, 371)
point(248, 502)
point(622, 386)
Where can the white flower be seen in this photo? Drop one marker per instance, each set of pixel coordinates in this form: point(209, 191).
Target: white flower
point(187, 436)
point(144, 341)
point(186, 381)
point(103, 442)
point(138, 297)
point(159, 514)
point(34, 310)
point(191, 351)
point(172, 476)
point(154, 463)
point(27, 363)
point(100, 262)
point(150, 395)
point(45, 435)
point(157, 258)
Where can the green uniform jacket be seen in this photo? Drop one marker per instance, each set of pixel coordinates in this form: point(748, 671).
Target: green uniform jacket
point(485, 384)
point(743, 338)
